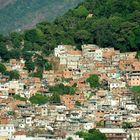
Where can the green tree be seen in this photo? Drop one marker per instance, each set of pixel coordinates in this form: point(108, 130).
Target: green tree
point(62, 89)
point(77, 103)
point(36, 74)
point(136, 94)
point(3, 51)
point(81, 11)
point(92, 134)
point(15, 53)
point(13, 75)
point(16, 39)
point(93, 80)
point(82, 37)
point(69, 138)
point(55, 98)
point(18, 97)
point(30, 66)
point(39, 99)
point(35, 35)
point(48, 66)
point(2, 68)
point(137, 55)
point(126, 125)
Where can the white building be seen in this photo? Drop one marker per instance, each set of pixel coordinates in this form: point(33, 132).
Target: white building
point(131, 106)
point(7, 130)
point(116, 84)
point(134, 134)
point(98, 54)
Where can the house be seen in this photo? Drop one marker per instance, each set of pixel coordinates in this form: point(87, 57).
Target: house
point(114, 133)
point(68, 101)
point(134, 133)
point(131, 106)
point(61, 52)
point(73, 57)
point(133, 78)
point(136, 65)
point(98, 55)
point(7, 130)
point(88, 50)
point(113, 83)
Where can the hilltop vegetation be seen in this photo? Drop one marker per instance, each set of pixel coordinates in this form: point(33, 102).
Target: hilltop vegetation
point(112, 23)
point(23, 14)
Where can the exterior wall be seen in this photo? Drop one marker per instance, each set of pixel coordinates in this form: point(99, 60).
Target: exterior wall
point(117, 85)
point(133, 78)
point(7, 130)
point(99, 115)
point(59, 50)
point(134, 134)
point(72, 61)
point(99, 55)
point(114, 134)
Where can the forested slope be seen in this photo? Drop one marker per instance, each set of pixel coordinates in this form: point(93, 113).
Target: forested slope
point(107, 23)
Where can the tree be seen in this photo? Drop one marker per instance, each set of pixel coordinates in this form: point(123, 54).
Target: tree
point(92, 134)
point(48, 66)
point(93, 80)
point(69, 138)
point(39, 99)
point(2, 68)
point(3, 51)
point(136, 94)
point(126, 125)
point(82, 37)
point(16, 39)
point(18, 97)
point(35, 35)
point(77, 103)
point(55, 98)
point(15, 53)
point(62, 89)
point(137, 55)
point(13, 75)
point(36, 74)
point(81, 11)
point(30, 66)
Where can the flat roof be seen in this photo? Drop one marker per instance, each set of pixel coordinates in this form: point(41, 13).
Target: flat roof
point(112, 130)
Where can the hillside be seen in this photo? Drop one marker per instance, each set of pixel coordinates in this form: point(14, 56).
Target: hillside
point(107, 23)
point(4, 3)
point(22, 14)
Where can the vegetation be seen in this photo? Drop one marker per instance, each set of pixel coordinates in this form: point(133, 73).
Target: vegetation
point(10, 113)
point(2, 68)
point(92, 134)
point(18, 97)
point(136, 94)
point(39, 99)
point(93, 80)
point(77, 103)
point(126, 125)
point(13, 75)
point(22, 13)
point(69, 138)
point(55, 98)
point(62, 89)
point(107, 26)
point(137, 55)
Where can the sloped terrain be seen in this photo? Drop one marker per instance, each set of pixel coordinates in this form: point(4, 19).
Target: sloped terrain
point(21, 14)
